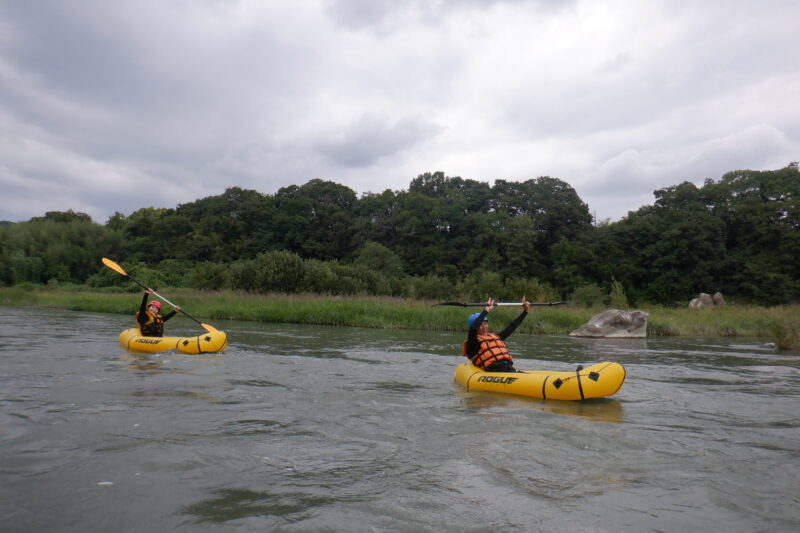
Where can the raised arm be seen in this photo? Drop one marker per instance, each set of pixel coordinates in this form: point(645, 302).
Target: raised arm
point(141, 316)
point(472, 335)
point(509, 329)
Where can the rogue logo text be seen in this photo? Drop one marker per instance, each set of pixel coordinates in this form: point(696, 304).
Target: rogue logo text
point(497, 379)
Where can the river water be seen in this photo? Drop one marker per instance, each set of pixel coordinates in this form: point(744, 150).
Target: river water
point(305, 428)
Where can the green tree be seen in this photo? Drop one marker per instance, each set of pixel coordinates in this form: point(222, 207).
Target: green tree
point(222, 228)
point(761, 211)
point(379, 258)
point(64, 247)
point(63, 217)
point(616, 297)
point(555, 209)
point(315, 220)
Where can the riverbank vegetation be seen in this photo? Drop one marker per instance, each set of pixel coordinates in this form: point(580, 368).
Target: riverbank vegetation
point(266, 256)
point(739, 235)
point(779, 324)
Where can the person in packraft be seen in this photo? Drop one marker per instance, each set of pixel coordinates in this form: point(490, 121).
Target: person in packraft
point(487, 350)
point(151, 323)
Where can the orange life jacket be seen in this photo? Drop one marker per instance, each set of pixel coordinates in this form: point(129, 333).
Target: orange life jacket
point(491, 349)
point(154, 327)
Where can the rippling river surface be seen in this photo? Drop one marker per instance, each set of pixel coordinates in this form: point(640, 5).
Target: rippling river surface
point(305, 428)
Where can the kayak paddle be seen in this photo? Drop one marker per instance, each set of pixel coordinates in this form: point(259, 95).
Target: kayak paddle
point(119, 270)
point(483, 304)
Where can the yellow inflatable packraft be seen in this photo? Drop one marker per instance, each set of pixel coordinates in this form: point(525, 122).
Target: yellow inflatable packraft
point(596, 381)
point(208, 342)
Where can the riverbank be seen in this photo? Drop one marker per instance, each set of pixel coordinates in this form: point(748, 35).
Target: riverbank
point(776, 324)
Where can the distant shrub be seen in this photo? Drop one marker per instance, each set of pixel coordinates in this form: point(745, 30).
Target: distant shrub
point(106, 278)
point(481, 284)
point(534, 291)
point(278, 271)
point(379, 258)
point(617, 298)
point(145, 274)
point(427, 288)
point(319, 277)
point(243, 275)
point(174, 272)
point(211, 276)
point(587, 295)
point(355, 280)
point(786, 333)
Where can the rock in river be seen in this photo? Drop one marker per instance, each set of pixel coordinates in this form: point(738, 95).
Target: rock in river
point(615, 323)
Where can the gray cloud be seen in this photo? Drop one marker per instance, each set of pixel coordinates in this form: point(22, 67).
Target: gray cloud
point(112, 106)
point(383, 14)
point(371, 138)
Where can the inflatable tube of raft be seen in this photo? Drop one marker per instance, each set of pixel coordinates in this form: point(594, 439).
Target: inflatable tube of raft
point(208, 342)
point(596, 381)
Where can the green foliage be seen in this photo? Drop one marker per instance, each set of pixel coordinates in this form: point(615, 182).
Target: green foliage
point(573, 262)
point(481, 285)
point(358, 280)
point(175, 272)
point(63, 217)
point(64, 247)
point(106, 278)
point(206, 275)
point(444, 235)
point(739, 235)
point(379, 258)
point(145, 274)
point(319, 277)
point(428, 288)
point(314, 220)
point(534, 291)
point(786, 332)
point(617, 298)
point(587, 295)
point(780, 324)
point(277, 271)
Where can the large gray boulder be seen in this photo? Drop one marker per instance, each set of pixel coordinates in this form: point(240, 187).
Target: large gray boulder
point(615, 323)
point(702, 301)
point(706, 301)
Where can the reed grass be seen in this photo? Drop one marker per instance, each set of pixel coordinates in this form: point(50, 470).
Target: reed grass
point(778, 324)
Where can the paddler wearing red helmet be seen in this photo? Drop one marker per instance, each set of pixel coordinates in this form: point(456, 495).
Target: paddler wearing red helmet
point(151, 323)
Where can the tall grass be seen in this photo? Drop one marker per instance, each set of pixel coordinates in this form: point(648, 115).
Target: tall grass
point(779, 324)
point(785, 328)
point(724, 321)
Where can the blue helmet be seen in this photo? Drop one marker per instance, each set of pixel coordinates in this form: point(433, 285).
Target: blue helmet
point(474, 316)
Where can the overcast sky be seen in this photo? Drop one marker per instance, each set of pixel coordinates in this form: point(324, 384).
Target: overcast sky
point(113, 106)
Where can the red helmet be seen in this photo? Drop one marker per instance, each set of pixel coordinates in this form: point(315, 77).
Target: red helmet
point(156, 303)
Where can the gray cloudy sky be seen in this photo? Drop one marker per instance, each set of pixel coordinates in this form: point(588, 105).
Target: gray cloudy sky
point(112, 106)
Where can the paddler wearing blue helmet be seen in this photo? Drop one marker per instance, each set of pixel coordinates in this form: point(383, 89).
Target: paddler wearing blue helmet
point(488, 350)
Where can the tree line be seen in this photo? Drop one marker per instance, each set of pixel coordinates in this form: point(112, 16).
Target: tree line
point(441, 237)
